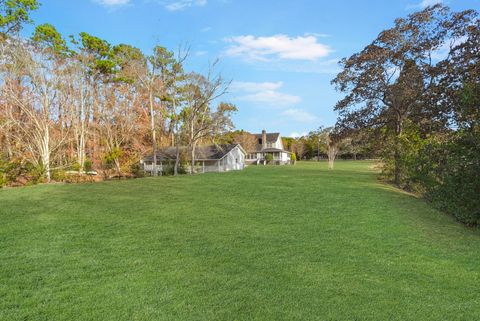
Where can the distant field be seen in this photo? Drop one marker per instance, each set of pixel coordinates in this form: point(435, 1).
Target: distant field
point(267, 243)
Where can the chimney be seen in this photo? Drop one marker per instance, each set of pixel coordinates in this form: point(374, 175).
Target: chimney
point(264, 139)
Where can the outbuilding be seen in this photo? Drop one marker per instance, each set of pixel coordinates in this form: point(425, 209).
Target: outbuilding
point(209, 158)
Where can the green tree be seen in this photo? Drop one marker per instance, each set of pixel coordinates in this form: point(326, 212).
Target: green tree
point(14, 14)
point(127, 59)
point(47, 36)
point(99, 55)
point(391, 80)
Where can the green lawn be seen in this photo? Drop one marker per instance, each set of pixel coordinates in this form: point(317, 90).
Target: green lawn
point(267, 243)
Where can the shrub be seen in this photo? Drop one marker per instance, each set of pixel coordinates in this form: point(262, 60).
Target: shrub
point(88, 165)
point(75, 167)
point(168, 169)
point(19, 173)
point(269, 158)
point(137, 170)
point(110, 157)
point(444, 168)
point(58, 175)
point(293, 158)
point(449, 173)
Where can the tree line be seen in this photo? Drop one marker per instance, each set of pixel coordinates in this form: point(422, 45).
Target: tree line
point(414, 92)
point(86, 105)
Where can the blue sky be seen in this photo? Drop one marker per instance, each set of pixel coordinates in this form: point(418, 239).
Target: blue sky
point(280, 54)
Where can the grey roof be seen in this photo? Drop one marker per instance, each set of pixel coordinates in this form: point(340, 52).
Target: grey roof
point(209, 152)
point(271, 137)
point(275, 150)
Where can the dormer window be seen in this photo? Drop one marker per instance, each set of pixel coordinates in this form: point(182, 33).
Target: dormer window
point(259, 141)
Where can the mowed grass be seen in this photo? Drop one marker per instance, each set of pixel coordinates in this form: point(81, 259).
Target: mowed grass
point(267, 243)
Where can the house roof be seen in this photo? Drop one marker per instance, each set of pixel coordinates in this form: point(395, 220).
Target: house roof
point(208, 152)
point(275, 150)
point(271, 137)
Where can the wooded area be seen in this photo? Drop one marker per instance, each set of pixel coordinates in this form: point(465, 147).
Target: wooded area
point(88, 106)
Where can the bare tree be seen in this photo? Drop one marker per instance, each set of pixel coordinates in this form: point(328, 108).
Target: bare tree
point(36, 73)
point(200, 92)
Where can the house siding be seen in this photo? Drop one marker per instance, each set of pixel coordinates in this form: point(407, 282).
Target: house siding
point(233, 160)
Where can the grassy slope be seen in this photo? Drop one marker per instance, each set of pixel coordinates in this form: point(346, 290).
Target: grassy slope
point(268, 243)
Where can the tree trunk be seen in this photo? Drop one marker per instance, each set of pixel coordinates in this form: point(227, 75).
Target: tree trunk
point(94, 122)
point(397, 152)
point(332, 153)
point(330, 163)
point(192, 158)
point(46, 154)
point(192, 147)
point(175, 139)
point(117, 167)
point(81, 152)
point(154, 135)
point(397, 167)
point(177, 151)
point(8, 145)
point(81, 146)
point(318, 151)
point(177, 160)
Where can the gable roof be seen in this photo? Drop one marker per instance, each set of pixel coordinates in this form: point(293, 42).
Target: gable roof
point(208, 152)
point(271, 137)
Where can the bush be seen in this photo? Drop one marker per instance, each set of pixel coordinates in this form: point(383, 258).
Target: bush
point(293, 158)
point(449, 173)
point(58, 175)
point(110, 157)
point(269, 158)
point(75, 167)
point(87, 166)
point(17, 173)
point(168, 169)
point(137, 170)
point(3, 175)
point(444, 168)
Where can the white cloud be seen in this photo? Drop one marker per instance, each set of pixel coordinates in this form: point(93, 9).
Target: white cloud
point(299, 115)
point(424, 3)
point(200, 53)
point(272, 98)
point(263, 93)
point(255, 86)
point(298, 135)
point(277, 47)
point(206, 29)
point(112, 3)
point(329, 66)
point(443, 51)
point(177, 5)
point(318, 35)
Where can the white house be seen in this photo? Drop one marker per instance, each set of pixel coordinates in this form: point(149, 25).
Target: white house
point(212, 158)
point(268, 143)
